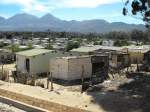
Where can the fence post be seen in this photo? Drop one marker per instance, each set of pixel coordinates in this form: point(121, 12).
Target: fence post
point(2, 70)
point(51, 78)
point(82, 78)
point(47, 80)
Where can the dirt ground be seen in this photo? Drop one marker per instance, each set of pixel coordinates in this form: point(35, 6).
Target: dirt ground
point(121, 94)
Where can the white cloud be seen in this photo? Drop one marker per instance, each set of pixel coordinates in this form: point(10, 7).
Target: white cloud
point(49, 5)
point(87, 3)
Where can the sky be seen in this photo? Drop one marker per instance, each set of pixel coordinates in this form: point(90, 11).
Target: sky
point(110, 10)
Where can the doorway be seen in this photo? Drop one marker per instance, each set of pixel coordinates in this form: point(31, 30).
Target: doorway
point(27, 65)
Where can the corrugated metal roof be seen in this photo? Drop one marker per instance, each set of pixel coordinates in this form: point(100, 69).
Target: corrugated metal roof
point(141, 49)
point(86, 49)
point(33, 52)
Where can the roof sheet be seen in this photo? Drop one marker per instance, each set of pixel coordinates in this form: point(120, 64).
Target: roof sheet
point(96, 47)
point(33, 52)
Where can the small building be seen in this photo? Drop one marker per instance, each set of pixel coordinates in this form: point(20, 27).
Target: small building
point(137, 53)
point(71, 68)
point(119, 60)
point(108, 43)
point(35, 61)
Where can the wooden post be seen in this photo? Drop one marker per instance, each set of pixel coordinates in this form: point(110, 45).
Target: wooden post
point(51, 78)
point(2, 70)
point(82, 78)
point(137, 65)
point(47, 80)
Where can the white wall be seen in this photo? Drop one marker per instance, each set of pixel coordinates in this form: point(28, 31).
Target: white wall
point(20, 62)
point(38, 64)
point(59, 68)
point(71, 69)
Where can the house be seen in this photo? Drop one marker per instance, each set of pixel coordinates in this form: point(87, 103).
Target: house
point(74, 67)
point(108, 43)
point(35, 61)
point(119, 60)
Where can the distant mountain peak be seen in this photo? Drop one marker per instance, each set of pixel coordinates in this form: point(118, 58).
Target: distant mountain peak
point(48, 15)
point(28, 22)
point(23, 15)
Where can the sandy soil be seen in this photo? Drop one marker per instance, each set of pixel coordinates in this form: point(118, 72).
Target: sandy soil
point(8, 66)
point(59, 95)
point(105, 97)
point(120, 94)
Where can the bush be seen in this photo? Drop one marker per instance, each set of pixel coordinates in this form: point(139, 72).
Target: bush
point(121, 43)
point(71, 45)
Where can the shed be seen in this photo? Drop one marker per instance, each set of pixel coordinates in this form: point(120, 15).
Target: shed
point(119, 60)
point(71, 68)
point(33, 61)
point(136, 53)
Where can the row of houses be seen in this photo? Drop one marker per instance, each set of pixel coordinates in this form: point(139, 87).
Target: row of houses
point(68, 68)
point(92, 60)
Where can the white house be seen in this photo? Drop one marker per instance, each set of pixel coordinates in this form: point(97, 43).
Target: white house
point(33, 61)
point(108, 43)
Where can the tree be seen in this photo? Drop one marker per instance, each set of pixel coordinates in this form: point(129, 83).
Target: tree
point(71, 45)
point(117, 35)
point(30, 45)
point(137, 35)
point(49, 46)
point(15, 48)
point(120, 43)
point(139, 7)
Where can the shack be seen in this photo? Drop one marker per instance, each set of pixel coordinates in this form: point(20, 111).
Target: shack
point(72, 68)
point(137, 53)
point(35, 61)
point(119, 60)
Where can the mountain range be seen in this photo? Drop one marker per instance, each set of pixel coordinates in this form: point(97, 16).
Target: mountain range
point(27, 22)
